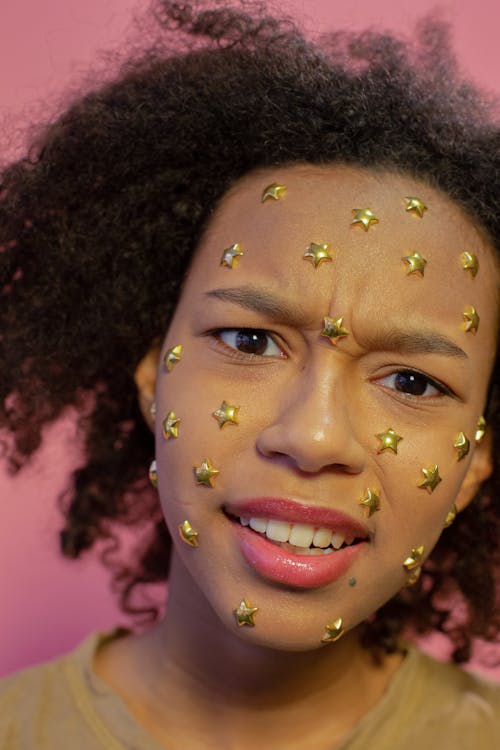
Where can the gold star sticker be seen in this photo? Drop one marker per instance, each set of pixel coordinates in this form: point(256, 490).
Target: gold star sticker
point(371, 500)
point(416, 205)
point(226, 414)
point(317, 254)
point(172, 356)
point(188, 534)
point(388, 440)
point(273, 192)
point(333, 329)
point(414, 559)
point(413, 576)
point(470, 263)
point(431, 480)
point(333, 632)
point(245, 614)
point(365, 217)
point(415, 263)
point(462, 445)
point(471, 319)
point(230, 255)
point(480, 430)
point(206, 473)
point(153, 473)
point(450, 516)
point(170, 426)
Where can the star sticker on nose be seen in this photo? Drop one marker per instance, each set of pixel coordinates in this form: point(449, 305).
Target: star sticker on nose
point(273, 192)
point(206, 473)
point(470, 263)
point(172, 356)
point(333, 329)
point(461, 445)
point(414, 559)
point(415, 205)
point(471, 319)
point(231, 255)
point(333, 632)
point(370, 500)
point(365, 217)
point(431, 479)
point(245, 613)
point(188, 534)
point(388, 440)
point(317, 254)
point(415, 263)
point(226, 414)
point(170, 426)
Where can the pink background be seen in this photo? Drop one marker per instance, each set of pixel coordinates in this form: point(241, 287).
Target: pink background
point(48, 604)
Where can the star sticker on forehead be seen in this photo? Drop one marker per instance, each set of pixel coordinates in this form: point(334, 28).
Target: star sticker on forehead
point(365, 217)
point(371, 500)
point(226, 414)
point(415, 205)
point(431, 479)
point(414, 559)
point(170, 427)
point(172, 356)
point(388, 440)
point(317, 254)
point(188, 534)
point(333, 329)
point(470, 263)
point(333, 632)
point(245, 613)
point(206, 473)
point(273, 192)
point(415, 263)
point(231, 255)
point(461, 445)
point(471, 319)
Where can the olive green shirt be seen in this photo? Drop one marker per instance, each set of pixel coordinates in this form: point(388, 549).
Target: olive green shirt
point(63, 704)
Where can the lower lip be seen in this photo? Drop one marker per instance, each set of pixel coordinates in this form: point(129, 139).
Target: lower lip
point(302, 571)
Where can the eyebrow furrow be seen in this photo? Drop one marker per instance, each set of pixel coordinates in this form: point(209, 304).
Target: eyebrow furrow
point(258, 301)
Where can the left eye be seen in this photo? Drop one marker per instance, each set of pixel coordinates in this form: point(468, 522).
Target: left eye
point(250, 341)
point(414, 383)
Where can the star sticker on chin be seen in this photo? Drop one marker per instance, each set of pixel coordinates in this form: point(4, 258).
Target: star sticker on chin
point(415, 263)
point(317, 253)
point(371, 500)
point(245, 613)
point(333, 632)
point(415, 205)
point(431, 479)
point(365, 217)
point(388, 440)
point(273, 192)
point(206, 473)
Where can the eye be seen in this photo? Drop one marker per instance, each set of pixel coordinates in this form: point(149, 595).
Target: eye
point(253, 341)
point(414, 383)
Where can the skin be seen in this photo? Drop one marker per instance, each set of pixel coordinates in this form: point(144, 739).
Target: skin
point(309, 413)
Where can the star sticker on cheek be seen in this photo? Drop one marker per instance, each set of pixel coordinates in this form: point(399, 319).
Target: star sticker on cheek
point(333, 632)
point(170, 427)
point(388, 440)
point(413, 564)
point(188, 534)
point(317, 254)
point(245, 614)
point(371, 500)
point(226, 414)
point(273, 192)
point(431, 480)
point(365, 217)
point(461, 445)
point(231, 255)
point(470, 263)
point(206, 473)
point(172, 356)
point(415, 263)
point(416, 206)
point(333, 329)
point(471, 319)
point(480, 430)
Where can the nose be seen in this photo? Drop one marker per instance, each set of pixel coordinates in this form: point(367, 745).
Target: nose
point(313, 427)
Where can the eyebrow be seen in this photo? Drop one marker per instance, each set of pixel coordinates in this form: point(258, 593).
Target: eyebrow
point(393, 340)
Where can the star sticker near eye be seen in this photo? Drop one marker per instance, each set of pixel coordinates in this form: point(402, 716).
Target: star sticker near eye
point(206, 473)
point(317, 254)
point(333, 632)
point(231, 255)
point(371, 500)
point(388, 440)
point(431, 480)
point(188, 534)
point(415, 263)
point(245, 614)
point(172, 356)
point(226, 414)
point(470, 263)
point(415, 205)
point(273, 192)
point(170, 427)
point(480, 430)
point(365, 217)
point(461, 445)
point(333, 329)
point(471, 319)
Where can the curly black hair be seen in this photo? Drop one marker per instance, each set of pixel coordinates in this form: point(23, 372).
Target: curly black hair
point(97, 222)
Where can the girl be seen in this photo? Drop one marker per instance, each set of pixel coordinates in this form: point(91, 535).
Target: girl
point(281, 261)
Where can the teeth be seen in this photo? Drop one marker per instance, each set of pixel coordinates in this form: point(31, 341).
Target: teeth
point(349, 540)
point(322, 537)
point(337, 541)
point(301, 535)
point(244, 521)
point(278, 531)
point(258, 524)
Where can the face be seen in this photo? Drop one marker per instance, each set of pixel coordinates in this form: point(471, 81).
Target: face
point(321, 493)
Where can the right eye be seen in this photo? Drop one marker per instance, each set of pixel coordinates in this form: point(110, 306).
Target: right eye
point(252, 341)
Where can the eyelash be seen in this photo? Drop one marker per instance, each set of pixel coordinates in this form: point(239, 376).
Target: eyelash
point(441, 388)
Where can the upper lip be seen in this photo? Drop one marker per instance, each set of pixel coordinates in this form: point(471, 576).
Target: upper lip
point(293, 511)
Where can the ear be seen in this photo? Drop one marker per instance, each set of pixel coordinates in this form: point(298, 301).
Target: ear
point(145, 380)
point(481, 467)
